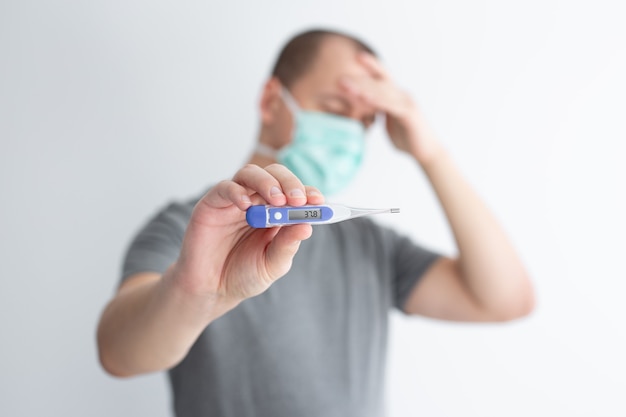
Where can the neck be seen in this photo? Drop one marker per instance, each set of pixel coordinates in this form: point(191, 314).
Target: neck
point(260, 158)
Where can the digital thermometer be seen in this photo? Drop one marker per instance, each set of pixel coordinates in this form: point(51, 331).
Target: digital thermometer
point(263, 216)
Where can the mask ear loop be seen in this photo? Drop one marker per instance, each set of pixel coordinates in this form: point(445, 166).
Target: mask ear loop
point(293, 106)
point(291, 102)
point(265, 150)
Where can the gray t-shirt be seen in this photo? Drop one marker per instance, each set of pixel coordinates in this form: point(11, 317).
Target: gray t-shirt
point(313, 344)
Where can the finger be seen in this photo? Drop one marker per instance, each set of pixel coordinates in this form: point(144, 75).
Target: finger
point(284, 246)
point(226, 193)
point(350, 86)
point(260, 181)
point(366, 91)
point(355, 88)
point(314, 196)
point(290, 184)
point(373, 65)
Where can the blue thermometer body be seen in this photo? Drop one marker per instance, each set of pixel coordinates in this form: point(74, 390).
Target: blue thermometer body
point(264, 216)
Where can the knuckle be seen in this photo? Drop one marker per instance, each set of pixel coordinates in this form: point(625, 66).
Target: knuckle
point(276, 167)
point(285, 173)
point(248, 168)
point(222, 186)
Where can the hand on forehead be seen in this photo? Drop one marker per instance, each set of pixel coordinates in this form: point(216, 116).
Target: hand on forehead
point(322, 87)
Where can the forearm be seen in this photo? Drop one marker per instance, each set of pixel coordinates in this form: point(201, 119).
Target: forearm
point(152, 326)
point(489, 265)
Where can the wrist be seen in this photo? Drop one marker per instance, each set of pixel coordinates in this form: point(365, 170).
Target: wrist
point(434, 157)
point(205, 305)
point(424, 146)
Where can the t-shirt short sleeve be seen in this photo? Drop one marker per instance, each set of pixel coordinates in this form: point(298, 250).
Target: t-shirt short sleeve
point(409, 262)
point(157, 245)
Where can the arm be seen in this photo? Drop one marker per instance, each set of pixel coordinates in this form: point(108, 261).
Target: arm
point(153, 320)
point(151, 323)
point(487, 281)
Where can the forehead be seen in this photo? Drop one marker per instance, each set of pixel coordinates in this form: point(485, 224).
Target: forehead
point(336, 58)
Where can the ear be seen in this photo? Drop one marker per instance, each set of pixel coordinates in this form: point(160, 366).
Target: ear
point(270, 102)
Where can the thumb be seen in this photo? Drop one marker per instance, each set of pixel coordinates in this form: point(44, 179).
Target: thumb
point(283, 248)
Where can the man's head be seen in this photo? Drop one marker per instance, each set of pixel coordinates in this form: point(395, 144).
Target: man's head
point(298, 56)
point(310, 66)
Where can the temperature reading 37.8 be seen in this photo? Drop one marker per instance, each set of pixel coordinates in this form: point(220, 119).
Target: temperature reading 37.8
point(295, 214)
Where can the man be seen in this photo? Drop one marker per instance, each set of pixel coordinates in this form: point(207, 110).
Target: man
point(201, 295)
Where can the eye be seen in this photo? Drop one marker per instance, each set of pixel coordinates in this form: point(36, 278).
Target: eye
point(335, 107)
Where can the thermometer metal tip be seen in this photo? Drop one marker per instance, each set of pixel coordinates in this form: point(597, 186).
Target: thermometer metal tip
point(394, 210)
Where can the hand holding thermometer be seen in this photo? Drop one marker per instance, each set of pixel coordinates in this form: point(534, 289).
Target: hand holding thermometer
point(271, 216)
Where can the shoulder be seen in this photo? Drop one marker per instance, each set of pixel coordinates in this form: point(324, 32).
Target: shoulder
point(157, 243)
point(367, 228)
point(366, 233)
point(374, 238)
point(168, 222)
point(176, 212)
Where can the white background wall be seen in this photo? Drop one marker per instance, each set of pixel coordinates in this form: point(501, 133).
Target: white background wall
point(108, 109)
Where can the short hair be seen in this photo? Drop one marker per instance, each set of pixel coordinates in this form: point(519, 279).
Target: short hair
point(299, 54)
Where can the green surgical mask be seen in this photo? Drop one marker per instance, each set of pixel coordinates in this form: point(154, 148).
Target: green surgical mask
point(326, 150)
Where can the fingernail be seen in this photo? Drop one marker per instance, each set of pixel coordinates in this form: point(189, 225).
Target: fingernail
point(275, 191)
point(245, 198)
point(313, 193)
point(296, 193)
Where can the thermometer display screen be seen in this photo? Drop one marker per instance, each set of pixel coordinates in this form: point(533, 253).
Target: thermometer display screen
point(308, 214)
